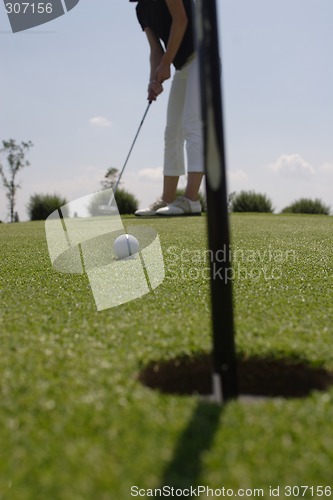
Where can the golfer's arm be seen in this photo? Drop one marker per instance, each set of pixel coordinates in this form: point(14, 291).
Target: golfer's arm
point(178, 28)
point(156, 52)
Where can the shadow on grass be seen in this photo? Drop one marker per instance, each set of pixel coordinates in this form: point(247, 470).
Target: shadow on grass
point(184, 470)
point(257, 376)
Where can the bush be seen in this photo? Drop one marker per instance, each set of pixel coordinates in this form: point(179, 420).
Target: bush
point(307, 206)
point(40, 206)
point(249, 201)
point(126, 202)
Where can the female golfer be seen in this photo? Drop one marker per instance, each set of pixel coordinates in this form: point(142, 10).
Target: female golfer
point(168, 25)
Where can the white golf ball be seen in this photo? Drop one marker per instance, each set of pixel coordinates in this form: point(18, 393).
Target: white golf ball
point(125, 246)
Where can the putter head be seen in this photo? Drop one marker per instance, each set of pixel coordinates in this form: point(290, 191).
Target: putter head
point(108, 209)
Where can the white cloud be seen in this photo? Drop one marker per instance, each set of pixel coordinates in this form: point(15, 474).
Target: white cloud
point(326, 167)
point(237, 175)
point(151, 173)
point(292, 165)
point(100, 121)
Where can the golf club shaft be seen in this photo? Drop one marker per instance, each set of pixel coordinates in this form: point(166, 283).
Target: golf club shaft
point(129, 154)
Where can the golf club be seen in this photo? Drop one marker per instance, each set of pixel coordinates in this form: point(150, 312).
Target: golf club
point(109, 207)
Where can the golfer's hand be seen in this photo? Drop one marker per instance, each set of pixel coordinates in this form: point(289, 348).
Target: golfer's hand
point(163, 72)
point(154, 90)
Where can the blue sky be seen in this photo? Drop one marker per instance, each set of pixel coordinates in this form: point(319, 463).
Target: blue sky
point(76, 87)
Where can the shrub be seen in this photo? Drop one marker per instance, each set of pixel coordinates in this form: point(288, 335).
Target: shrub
point(249, 201)
point(126, 202)
point(307, 206)
point(40, 206)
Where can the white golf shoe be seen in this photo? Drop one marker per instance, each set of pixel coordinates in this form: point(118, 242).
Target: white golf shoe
point(181, 206)
point(151, 210)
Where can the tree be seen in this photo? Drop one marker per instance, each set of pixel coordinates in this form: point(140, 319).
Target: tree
point(40, 206)
point(15, 154)
point(110, 178)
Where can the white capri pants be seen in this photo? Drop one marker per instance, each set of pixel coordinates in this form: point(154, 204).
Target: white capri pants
point(184, 124)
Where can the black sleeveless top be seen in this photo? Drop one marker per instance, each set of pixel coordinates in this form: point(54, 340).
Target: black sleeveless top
point(155, 15)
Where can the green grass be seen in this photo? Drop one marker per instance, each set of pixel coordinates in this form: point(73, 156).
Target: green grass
point(74, 422)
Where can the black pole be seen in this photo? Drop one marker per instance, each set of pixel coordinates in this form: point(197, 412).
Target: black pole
point(225, 384)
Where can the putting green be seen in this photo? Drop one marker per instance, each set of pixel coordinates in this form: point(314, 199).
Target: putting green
point(75, 421)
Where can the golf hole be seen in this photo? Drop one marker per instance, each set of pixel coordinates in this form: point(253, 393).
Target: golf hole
point(259, 377)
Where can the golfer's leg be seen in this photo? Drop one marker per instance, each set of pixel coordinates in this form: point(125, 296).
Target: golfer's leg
point(193, 185)
point(193, 132)
point(170, 183)
point(174, 165)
